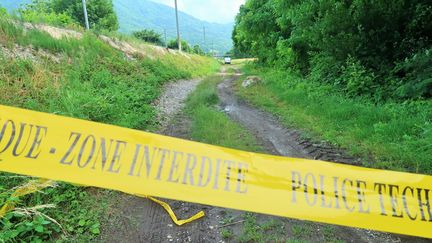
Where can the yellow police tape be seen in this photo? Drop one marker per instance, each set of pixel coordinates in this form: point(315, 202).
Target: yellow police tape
point(167, 208)
point(141, 163)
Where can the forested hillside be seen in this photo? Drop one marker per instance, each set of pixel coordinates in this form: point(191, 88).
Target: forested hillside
point(135, 15)
point(12, 4)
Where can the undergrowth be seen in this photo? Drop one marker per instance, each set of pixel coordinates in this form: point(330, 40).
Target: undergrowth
point(387, 135)
point(82, 78)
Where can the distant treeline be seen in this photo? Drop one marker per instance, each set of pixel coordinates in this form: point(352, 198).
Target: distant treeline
point(154, 37)
point(381, 49)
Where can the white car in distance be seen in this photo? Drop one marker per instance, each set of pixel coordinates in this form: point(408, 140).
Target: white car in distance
point(227, 60)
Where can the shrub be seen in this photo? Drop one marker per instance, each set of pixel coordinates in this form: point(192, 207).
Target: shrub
point(357, 79)
point(149, 36)
point(51, 18)
point(185, 46)
point(101, 13)
point(3, 11)
point(416, 75)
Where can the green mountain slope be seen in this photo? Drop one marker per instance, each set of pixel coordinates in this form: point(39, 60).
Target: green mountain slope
point(13, 4)
point(135, 15)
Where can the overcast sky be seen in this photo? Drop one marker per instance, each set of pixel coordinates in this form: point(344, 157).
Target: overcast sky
point(218, 11)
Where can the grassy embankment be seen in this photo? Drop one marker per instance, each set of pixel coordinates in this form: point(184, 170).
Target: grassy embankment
point(89, 80)
point(389, 135)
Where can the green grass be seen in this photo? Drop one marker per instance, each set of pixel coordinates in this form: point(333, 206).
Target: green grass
point(92, 81)
point(395, 136)
point(227, 234)
point(78, 211)
point(269, 231)
point(302, 230)
point(209, 125)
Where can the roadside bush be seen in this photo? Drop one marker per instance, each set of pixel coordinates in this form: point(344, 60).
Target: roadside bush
point(149, 36)
point(416, 75)
point(55, 19)
point(69, 13)
point(3, 11)
point(197, 50)
point(286, 55)
point(357, 79)
point(173, 44)
point(325, 69)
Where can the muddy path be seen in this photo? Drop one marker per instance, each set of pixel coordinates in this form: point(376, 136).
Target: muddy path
point(276, 138)
point(141, 220)
point(134, 219)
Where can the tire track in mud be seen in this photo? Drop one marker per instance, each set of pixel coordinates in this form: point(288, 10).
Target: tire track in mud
point(275, 137)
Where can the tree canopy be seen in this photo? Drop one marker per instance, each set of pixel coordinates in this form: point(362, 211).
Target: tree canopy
point(174, 45)
point(377, 48)
point(101, 13)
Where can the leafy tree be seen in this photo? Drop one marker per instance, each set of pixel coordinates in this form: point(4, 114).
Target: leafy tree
point(185, 46)
point(3, 11)
point(42, 11)
point(100, 12)
point(149, 36)
point(197, 50)
point(256, 31)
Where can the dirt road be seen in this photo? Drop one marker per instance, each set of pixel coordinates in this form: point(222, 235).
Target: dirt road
point(139, 220)
point(276, 138)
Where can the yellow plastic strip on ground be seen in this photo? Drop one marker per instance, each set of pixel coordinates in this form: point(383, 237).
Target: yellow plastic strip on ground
point(169, 210)
point(30, 187)
point(171, 213)
point(141, 163)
